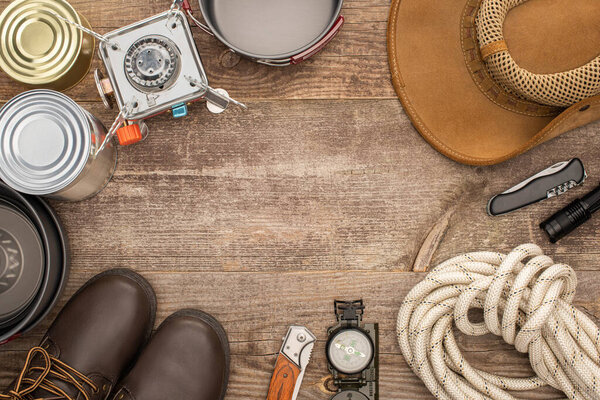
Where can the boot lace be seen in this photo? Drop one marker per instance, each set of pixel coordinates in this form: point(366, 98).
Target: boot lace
point(52, 368)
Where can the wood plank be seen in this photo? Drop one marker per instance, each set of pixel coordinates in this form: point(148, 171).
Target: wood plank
point(324, 77)
point(252, 186)
point(111, 14)
point(251, 374)
point(579, 250)
point(353, 66)
point(250, 191)
point(322, 188)
point(259, 317)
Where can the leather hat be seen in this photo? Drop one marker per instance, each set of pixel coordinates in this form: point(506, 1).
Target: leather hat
point(486, 80)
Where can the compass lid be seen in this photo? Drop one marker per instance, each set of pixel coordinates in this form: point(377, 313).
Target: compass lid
point(22, 263)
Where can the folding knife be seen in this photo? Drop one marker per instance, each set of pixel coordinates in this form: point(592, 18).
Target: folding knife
point(552, 181)
point(291, 364)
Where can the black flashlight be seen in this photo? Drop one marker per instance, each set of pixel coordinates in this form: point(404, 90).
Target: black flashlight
point(572, 216)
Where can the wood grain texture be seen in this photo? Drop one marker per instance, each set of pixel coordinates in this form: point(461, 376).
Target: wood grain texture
point(321, 190)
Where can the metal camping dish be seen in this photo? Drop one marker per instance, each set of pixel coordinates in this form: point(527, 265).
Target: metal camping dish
point(153, 66)
point(22, 264)
point(64, 162)
point(55, 261)
point(273, 32)
point(57, 258)
point(40, 49)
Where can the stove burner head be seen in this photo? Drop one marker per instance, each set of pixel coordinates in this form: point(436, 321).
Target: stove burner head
point(152, 63)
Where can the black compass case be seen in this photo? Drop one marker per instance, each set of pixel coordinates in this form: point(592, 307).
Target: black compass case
point(34, 263)
point(361, 383)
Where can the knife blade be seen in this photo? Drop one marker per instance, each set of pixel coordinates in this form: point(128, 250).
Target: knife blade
point(291, 364)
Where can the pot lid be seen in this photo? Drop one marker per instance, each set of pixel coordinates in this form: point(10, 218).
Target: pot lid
point(45, 141)
point(36, 47)
point(21, 262)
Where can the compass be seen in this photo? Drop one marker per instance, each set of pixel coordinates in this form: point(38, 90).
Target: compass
point(350, 351)
point(349, 395)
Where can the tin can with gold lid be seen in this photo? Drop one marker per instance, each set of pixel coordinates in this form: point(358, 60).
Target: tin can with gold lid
point(40, 50)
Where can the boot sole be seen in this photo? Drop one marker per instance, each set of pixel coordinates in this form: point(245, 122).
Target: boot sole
point(220, 331)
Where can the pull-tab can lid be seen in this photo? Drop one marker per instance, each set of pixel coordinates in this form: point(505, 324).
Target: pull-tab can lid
point(39, 49)
point(45, 142)
point(22, 263)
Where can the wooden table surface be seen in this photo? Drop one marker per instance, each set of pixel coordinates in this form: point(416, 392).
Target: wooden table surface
point(322, 190)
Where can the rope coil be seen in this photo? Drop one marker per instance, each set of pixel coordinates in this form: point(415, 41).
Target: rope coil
point(526, 298)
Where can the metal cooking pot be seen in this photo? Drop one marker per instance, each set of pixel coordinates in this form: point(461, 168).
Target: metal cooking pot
point(273, 32)
point(40, 50)
point(49, 146)
point(22, 264)
point(56, 260)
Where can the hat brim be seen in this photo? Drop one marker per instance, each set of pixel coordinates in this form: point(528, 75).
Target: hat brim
point(439, 94)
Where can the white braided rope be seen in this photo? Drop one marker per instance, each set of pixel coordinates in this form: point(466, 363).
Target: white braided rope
point(528, 304)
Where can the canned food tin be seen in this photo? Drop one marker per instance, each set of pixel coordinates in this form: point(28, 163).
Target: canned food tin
point(22, 263)
point(49, 147)
point(40, 50)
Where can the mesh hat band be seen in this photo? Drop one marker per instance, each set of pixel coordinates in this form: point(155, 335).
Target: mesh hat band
point(561, 89)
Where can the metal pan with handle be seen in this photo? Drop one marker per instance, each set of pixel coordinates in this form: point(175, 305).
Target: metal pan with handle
point(272, 32)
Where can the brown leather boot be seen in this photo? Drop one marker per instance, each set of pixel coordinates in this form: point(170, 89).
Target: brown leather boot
point(93, 340)
point(186, 359)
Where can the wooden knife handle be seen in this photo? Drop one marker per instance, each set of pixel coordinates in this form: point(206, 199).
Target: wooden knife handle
point(284, 379)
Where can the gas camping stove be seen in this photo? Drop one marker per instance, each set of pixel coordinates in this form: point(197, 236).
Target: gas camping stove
point(153, 66)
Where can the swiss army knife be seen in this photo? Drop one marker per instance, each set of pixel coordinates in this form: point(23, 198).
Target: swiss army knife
point(291, 364)
point(551, 182)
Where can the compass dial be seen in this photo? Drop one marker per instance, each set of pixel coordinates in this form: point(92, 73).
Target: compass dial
point(350, 351)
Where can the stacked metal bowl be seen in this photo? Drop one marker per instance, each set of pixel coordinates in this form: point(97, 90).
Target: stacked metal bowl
point(34, 263)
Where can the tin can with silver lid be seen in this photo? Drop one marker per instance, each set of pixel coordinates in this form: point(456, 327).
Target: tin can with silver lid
point(39, 49)
point(49, 146)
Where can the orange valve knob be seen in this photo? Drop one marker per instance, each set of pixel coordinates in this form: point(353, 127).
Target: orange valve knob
point(129, 134)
